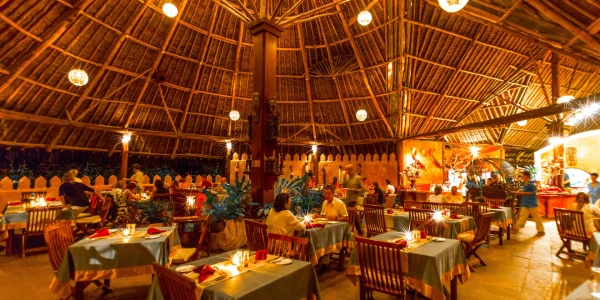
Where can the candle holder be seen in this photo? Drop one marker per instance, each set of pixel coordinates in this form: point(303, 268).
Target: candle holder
point(129, 230)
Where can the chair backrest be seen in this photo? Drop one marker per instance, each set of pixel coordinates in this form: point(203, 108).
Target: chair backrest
point(352, 218)
point(432, 206)
point(495, 202)
point(256, 233)
point(174, 286)
point(413, 204)
point(455, 208)
point(375, 220)
point(421, 219)
point(58, 238)
point(189, 238)
point(288, 246)
point(105, 208)
point(483, 228)
point(372, 199)
point(570, 224)
point(380, 265)
point(148, 188)
point(40, 217)
point(26, 195)
point(475, 209)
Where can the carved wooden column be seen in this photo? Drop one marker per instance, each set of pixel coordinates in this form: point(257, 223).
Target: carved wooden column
point(265, 35)
point(557, 129)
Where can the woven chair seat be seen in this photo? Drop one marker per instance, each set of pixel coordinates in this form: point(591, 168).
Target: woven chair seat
point(88, 220)
point(183, 255)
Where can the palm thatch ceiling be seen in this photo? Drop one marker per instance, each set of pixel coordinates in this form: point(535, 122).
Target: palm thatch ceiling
point(491, 59)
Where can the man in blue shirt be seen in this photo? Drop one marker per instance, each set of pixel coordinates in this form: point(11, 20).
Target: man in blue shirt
point(594, 188)
point(529, 205)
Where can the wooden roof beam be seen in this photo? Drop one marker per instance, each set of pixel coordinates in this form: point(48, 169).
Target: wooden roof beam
point(361, 64)
point(53, 33)
point(307, 80)
point(234, 80)
point(157, 61)
point(532, 114)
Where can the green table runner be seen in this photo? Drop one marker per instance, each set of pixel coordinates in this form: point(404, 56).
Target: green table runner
point(402, 223)
point(331, 239)
point(289, 282)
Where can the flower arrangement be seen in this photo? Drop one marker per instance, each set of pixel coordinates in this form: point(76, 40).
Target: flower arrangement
point(412, 171)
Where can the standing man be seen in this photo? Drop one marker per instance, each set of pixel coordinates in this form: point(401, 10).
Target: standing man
point(354, 186)
point(529, 205)
point(594, 189)
point(138, 177)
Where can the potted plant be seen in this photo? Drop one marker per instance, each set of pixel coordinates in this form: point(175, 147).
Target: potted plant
point(292, 187)
point(226, 217)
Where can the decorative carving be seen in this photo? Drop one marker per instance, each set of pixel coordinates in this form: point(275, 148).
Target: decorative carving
point(272, 105)
point(273, 127)
point(255, 107)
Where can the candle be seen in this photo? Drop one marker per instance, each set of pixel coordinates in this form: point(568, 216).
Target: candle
point(126, 232)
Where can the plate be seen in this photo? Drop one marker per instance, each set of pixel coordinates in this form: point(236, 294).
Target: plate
point(151, 236)
point(333, 222)
point(285, 261)
point(321, 219)
point(439, 239)
point(185, 269)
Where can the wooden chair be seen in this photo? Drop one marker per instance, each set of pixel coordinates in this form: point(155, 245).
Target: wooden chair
point(375, 220)
point(174, 286)
point(413, 204)
point(495, 202)
point(58, 238)
point(432, 206)
point(472, 242)
point(571, 227)
point(38, 218)
point(421, 219)
point(380, 268)
point(188, 228)
point(184, 255)
point(352, 215)
point(26, 195)
point(256, 233)
point(371, 199)
point(162, 198)
point(288, 246)
point(475, 209)
point(455, 208)
point(99, 217)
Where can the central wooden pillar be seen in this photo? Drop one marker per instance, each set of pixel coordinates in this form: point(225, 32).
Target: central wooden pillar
point(124, 160)
point(265, 35)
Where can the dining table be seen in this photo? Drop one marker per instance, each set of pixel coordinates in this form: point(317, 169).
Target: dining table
point(113, 256)
point(264, 279)
point(15, 217)
point(334, 237)
point(503, 217)
point(427, 268)
point(399, 220)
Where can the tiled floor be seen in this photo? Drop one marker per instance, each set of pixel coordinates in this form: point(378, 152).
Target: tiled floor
point(524, 268)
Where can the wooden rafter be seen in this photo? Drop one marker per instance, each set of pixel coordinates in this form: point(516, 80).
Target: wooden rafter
point(162, 99)
point(359, 59)
point(510, 10)
point(234, 81)
point(307, 81)
point(157, 61)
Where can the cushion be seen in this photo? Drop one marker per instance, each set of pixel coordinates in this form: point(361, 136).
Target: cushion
point(494, 227)
point(466, 237)
point(83, 215)
point(88, 220)
point(182, 255)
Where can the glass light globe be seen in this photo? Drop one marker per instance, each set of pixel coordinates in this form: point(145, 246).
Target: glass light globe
point(234, 115)
point(364, 18)
point(565, 99)
point(170, 10)
point(522, 123)
point(452, 5)
point(314, 148)
point(126, 137)
point(361, 115)
point(78, 77)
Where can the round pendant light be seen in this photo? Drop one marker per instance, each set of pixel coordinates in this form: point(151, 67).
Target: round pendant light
point(78, 77)
point(565, 99)
point(452, 5)
point(170, 10)
point(361, 115)
point(364, 18)
point(522, 123)
point(234, 115)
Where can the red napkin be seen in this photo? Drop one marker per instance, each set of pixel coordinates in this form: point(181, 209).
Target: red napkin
point(50, 199)
point(260, 255)
point(402, 243)
point(495, 206)
point(204, 271)
point(312, 225)
point(454, 216)
point(153, 230)
point(389, 211)
point(423, 234)
point(15, 203)
point(100, 233)
point(405, 209)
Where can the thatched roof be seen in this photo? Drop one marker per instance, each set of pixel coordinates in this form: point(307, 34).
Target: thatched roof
point(489, 60)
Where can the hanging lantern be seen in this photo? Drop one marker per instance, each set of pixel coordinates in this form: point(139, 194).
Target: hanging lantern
point(234, 115)
point(452, 5)
point(126, 137)
point(565, 99)
point(170, 10)
point(364, 18)
point(78, 77)
point(361, 115)
point(522, 123)
point(314, 149)
point(228, 144)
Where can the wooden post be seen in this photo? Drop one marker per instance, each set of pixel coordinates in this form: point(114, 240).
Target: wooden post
point(557, 130)
point(265, 35)
point(124, 160)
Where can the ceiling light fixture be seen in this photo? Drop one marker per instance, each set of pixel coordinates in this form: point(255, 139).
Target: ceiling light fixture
point(364, 18)
point(565, 99)
point(78, 77)
point(452, 5)
point(170, 10)
point(522, 123)
point(361, 115)
point(234, 115)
